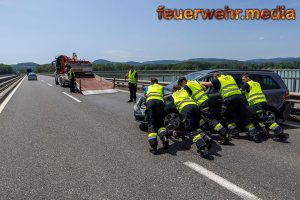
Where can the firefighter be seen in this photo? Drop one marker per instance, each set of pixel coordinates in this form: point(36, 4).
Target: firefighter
point(198, 94)
point(132, 83)
point(257, 100)
point(189, 110)
point(71, 77)
point(155, 107)
point(234, 104)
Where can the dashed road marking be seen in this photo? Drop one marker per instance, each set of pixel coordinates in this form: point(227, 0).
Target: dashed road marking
point(72, 97)
point(4, 103)
point(222, 182)
point(49, 84)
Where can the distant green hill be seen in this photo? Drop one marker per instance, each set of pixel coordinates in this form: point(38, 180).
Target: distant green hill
point(24, 65)
point(210, 60)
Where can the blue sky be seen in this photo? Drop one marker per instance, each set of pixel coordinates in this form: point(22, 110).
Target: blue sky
point(125, 30)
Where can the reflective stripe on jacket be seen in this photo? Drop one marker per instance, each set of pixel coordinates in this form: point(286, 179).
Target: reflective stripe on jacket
point(255, 94)
point(155, 91)
point(228, 86)
point(131, 76)
point(198, 94)
point(181, 99)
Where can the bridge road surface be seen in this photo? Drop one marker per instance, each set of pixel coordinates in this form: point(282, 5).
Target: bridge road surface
point(54, 147)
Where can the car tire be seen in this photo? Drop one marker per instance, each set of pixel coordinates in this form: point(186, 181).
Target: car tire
point(272, 114)
point(172, 120)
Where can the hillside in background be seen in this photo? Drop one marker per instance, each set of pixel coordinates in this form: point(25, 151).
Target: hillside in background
point(214, 60)
point(24, 65)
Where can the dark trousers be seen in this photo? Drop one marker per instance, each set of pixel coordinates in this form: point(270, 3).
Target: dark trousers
point(132, 90)
point(191, 118)
point(237, 109)
point(72, 85)
point(155, 109)
point(263, 119)
point(209, 122)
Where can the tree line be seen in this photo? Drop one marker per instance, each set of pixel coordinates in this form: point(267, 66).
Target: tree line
point(199, 66)
point(46, 68)
point(6, 69)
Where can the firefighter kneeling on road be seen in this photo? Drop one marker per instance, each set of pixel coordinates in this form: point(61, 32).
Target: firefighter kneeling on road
point(257, 100)
point(189, 110)
point(198, 94)
point(234, 104)
point(155, 108)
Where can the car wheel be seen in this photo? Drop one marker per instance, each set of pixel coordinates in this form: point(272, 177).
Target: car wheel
point(172, 121)
point(272, 116)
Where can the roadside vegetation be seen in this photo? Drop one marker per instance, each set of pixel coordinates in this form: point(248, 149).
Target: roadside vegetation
point(6, 69)
point(46, 68)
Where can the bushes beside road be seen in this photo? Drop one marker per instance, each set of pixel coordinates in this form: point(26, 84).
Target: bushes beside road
point(6, 69)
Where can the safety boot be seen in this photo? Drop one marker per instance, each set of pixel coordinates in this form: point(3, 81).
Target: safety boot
point(202, 148)
point(203, 152)
point(208, 140)
point(255, 136)
point(234, 133)
point(153, 146)
point(165, 142)
point(225, 139)
point(153, 149)
point(279, 135)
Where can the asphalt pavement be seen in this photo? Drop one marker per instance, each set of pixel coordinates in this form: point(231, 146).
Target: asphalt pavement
point(58, 145)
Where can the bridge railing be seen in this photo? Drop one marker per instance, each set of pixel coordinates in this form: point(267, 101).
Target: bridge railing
point(291, 77)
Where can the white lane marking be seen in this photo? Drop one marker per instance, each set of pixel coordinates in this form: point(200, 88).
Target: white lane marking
point(222, 182)
point(2, 106)
point(125, 91)
point(43, 81)
point(49, 84)
point(72, 97)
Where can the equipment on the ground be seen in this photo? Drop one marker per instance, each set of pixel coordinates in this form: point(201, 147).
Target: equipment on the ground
point(86, 82)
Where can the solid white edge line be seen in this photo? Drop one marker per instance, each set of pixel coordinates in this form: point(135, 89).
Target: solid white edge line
point(222, 182)
point(49, 84)
point(5, 102)
point(72, 97)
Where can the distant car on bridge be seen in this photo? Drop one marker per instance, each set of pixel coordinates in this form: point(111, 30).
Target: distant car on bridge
point(32, 76)
point(272, 85)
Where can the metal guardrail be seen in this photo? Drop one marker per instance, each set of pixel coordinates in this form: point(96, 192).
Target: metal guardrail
point(8, 85)
point(291, 77)
point(294, 97)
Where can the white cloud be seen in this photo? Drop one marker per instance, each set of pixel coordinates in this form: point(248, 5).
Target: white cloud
point(261, 38)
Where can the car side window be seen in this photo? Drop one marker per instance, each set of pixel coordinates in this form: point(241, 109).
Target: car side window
point(268, 83)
